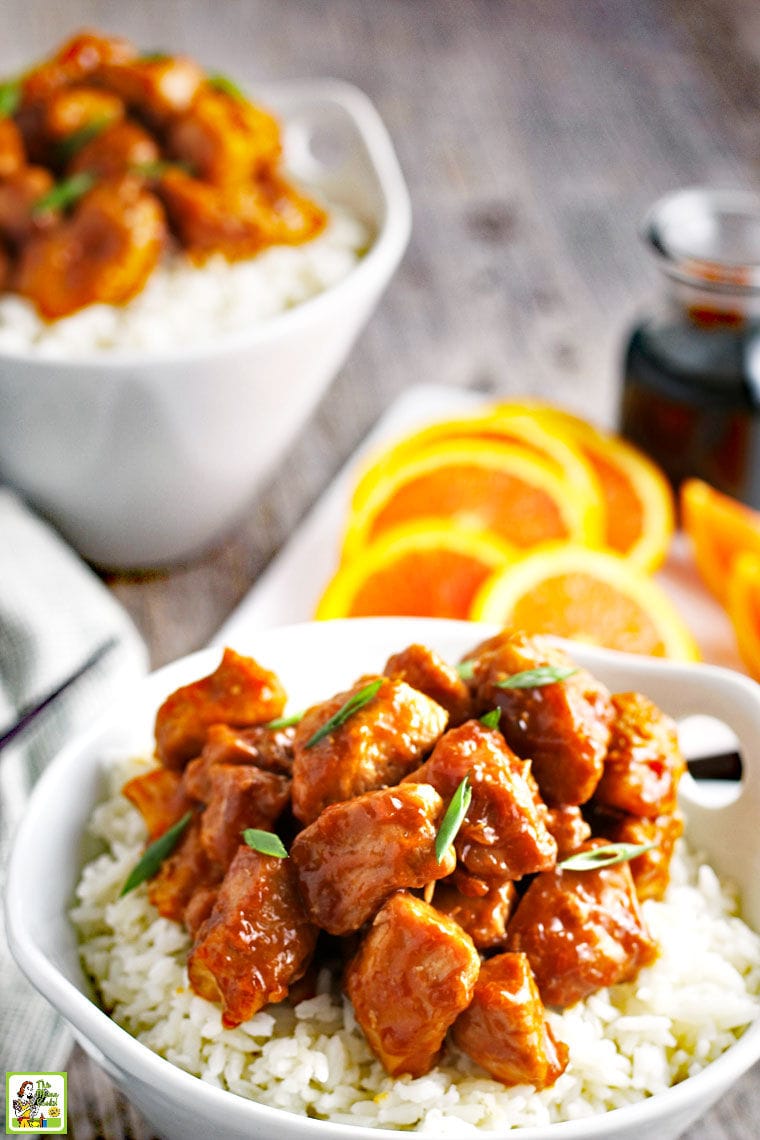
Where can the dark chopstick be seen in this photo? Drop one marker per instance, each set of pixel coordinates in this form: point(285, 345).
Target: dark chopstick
point(30, 713)
point(722, 766)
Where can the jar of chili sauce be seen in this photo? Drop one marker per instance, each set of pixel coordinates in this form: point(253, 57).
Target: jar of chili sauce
point(691, 390)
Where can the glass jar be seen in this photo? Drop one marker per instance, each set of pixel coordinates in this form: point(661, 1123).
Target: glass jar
point(691, 389)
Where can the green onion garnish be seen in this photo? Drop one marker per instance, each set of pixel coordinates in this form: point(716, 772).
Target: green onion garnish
point(157, 56)
point(65, 193)
point(10, 97)
point(347, 709)
point(284, 721)
point(466, 670)
point(537, 678)
point(154, 168)
point(154, 855)
point(78, 139)
point(452, 820)
point(265, 842)
point(491, 719)
point(227, 86)
point(606, 856)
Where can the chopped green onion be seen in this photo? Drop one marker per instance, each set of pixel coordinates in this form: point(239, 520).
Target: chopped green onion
point(157, 56)
point(10, 97)
point(537, 678)
point(452, 820)
point(78, 139)
point(227, 86)
point(466, 670)
point(65, 193)
point(606, 856)
point(491, 719)
point(155, 167)
point(284, 721)
point(154, 855)
point(347, 709)
point(265, 842)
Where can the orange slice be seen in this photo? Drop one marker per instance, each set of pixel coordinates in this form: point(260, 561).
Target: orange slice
point(515, 426)
point(587, 595)
point(424, 569)
point(743, 603)
point(503, 488)
point(638, 501)
point(720, 529)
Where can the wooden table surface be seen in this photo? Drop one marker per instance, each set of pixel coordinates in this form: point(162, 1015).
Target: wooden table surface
point(533, 135)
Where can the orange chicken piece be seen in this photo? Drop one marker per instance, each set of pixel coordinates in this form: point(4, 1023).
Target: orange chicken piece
point(644, 763)
point(581, 931)
point(357, 853)
point(563, 728)
point(504, 1028)
point(412, 976)
point(484, 917)
point(239, 692)
point(158, 88)
point(223, 138)
point(12, 154)
point(424, 670)
point(237, 219)
point(103, 253)
point(374, 748)
point(257, 939)
point(160, 799)
point(180, 875)
point(239, 796)
point(503, 835)
point(122, 148)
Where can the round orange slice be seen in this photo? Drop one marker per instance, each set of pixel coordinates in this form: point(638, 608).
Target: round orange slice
point(720, 529)
point(422, 569)
point(638, 502)
point(481, 484)
point(515, 426)
point(743, 604)
point(586, 595)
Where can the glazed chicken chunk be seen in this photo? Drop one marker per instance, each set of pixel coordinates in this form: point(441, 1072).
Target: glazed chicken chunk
point(185, 871)
point(563, 728)
point(160, 797)
point(257, 939)
point(503, 835)
point(581, 931)
point(484, 916)
point(413, 975)
point(644, 763)
point(374, 748)
point(651, 869)
point(427, 672)
point(504, 1028)
point(357, 853)
point(239, 692)
point(239, 796)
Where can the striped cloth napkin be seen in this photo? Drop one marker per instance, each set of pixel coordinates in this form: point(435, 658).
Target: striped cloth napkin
point(54, 613)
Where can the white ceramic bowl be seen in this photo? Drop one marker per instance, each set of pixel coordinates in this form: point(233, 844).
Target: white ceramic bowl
point(313, 661)
point(144, 459)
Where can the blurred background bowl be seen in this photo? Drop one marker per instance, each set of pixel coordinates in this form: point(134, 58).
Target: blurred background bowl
point(144, 458)
point(45, 869)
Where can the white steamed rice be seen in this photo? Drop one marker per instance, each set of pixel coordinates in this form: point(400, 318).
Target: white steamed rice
point(626, 1043)
point(187, 305)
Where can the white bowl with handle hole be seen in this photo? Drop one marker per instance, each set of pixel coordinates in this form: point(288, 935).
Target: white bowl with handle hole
point(315, 660)
point(144, 458)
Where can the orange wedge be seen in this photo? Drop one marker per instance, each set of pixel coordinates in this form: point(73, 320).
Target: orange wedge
point(743, 603)
point(424, 569)
point(587, 595)
point(720, 529)
point(638, 502)
point(481, 484)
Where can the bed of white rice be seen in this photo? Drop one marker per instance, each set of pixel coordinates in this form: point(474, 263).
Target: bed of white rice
point(188, 305)
point(626, 1043)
